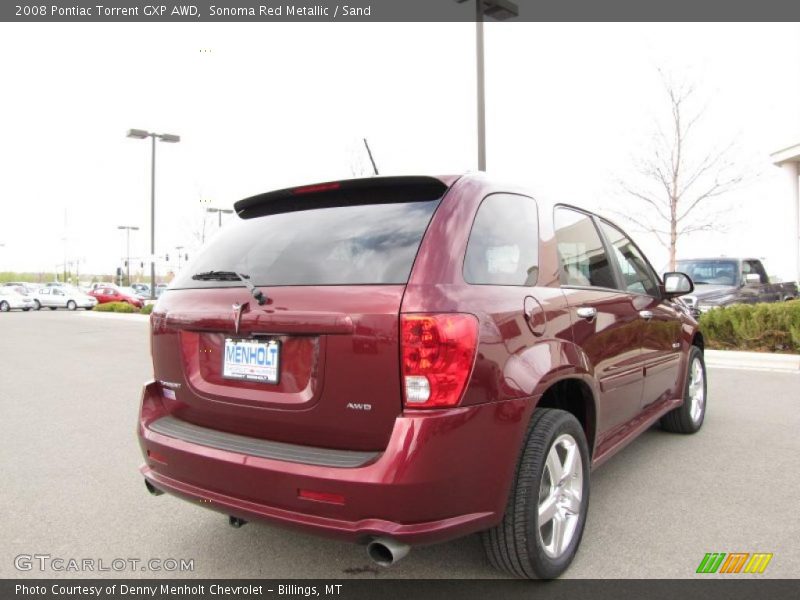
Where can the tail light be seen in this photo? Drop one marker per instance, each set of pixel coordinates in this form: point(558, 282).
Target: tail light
point(437, 354)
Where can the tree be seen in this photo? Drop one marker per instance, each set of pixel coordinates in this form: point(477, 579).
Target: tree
point(680, 177)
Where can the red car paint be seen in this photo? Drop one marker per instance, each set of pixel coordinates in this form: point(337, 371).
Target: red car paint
point(112, 294)
point(437, 473)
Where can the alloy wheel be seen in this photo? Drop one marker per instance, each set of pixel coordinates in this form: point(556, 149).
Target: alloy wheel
point(560, 496)
point(697, 391)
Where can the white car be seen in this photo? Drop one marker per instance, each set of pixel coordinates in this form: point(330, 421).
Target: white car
point(11, 298)
point(62, 297)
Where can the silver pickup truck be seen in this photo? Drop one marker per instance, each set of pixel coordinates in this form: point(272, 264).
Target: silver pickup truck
point(725, 281)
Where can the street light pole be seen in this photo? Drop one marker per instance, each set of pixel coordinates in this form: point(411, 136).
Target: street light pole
point(499, 10)
point(164, 137)
point(219, 212)
point(179, 248)
point(152, 218)
point(481, 87)
point(128, 229)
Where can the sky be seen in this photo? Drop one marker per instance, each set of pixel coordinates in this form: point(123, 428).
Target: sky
point(570, 110)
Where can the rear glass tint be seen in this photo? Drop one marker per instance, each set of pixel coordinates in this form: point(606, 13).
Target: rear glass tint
point(340, 245)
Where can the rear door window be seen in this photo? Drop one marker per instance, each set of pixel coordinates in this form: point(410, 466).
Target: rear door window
point(504, 241)
point(583, 258)
point(335, 245)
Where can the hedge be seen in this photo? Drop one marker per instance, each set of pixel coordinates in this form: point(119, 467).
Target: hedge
point(758, 327)
point(118, 307)
point(147, 309)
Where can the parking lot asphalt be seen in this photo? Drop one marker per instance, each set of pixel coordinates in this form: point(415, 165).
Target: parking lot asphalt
point(69, 390)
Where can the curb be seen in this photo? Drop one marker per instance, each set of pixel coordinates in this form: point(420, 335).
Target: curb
point(754, 361)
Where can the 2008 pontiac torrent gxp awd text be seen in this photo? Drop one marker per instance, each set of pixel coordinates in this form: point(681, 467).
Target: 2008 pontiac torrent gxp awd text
point(405, 360)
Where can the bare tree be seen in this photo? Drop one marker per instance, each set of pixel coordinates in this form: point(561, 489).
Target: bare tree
point(682, 174)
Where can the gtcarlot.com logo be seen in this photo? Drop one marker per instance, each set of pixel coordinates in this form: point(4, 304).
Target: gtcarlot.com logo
point(734, 562)
point(58, 564)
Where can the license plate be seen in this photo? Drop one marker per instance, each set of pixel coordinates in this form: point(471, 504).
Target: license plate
point(251, 360)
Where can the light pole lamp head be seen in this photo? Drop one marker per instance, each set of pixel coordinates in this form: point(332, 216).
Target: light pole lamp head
point(170, 138)
point(139, 134)
point(500, 10)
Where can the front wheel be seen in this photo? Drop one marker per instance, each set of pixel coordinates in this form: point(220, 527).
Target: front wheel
point(37, 305)
point(4, 307)
point(689, 417)
point(71, 305)
point(546, 511)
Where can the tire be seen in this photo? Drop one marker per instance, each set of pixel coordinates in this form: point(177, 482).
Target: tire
point(52, 307)
point(4, 307)
point(518, 545)
point(37, 305)
point(71, 305)
point(689, 417)
point(26, 309)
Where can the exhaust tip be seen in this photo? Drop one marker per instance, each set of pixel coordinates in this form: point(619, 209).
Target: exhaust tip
point(154, 491)
point(385, 552)
point(236, 522)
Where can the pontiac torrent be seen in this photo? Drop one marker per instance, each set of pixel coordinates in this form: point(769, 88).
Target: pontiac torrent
point(398, 361)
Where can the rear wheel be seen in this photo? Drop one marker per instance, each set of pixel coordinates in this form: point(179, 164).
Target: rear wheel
point(689, 417)
point(546, 512)
point(37, 305)
point(71, 305)
point(4, 307)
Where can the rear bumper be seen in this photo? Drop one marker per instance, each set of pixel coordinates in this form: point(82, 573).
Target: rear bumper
point(442, 475)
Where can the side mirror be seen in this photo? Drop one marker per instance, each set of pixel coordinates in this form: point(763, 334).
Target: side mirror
point(677, 284)
point(752, 279)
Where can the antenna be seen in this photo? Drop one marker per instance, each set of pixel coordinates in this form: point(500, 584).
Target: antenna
point(372, 160)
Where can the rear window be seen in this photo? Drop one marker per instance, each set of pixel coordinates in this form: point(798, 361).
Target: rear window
point(339, 245)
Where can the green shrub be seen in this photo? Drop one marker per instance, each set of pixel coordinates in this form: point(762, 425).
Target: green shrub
point(147, 309)
point(759, 327)
point(117, 307)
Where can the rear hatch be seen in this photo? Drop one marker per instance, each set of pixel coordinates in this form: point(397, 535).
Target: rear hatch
point(316, 362)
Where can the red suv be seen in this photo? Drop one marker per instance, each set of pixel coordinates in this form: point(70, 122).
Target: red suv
point(406, 360)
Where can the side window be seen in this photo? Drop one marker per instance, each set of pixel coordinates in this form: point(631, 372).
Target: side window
point(754, 266)
point(637, 276)
point(580, 251)
point(503, 246)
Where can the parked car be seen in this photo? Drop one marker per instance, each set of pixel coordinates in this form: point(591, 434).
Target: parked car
point(54, 297)
point(10, 299)
point(725, 281)
point(115, 294)
point(22, 287)
point(407, 360)
point(142, 289)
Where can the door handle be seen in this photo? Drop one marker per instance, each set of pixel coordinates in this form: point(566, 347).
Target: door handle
point(587, 312)
point(646, 314)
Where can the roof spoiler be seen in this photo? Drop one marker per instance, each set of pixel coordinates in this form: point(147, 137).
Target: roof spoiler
point(350, 192)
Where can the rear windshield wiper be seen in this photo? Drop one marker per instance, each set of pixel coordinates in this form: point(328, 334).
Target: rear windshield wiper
point(232, 276)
